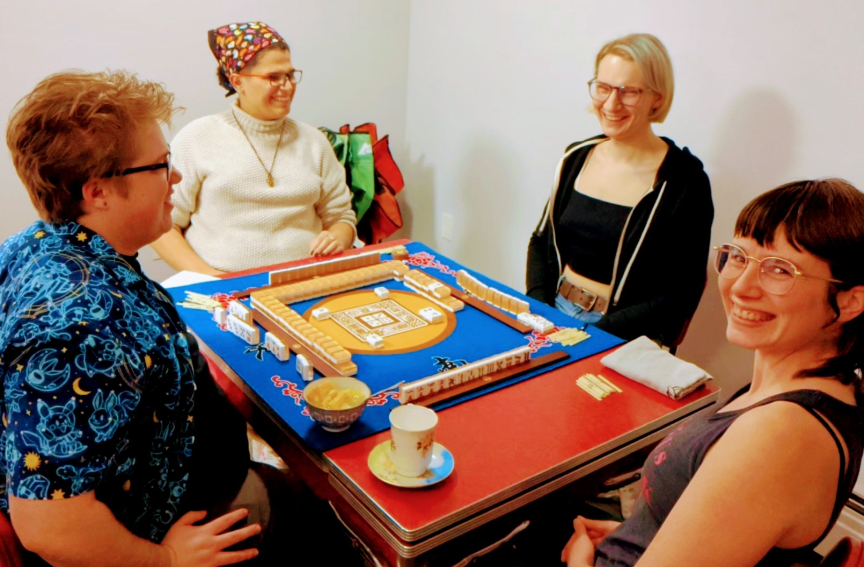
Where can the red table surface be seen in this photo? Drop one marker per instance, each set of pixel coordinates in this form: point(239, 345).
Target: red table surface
point(531, 430)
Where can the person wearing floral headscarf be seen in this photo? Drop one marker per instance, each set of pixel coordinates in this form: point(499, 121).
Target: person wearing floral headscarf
point(258, 187)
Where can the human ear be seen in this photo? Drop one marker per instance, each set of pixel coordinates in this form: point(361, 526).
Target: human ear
point(658, 102)
point(95, 194)
point(236, 81)
point(850, 303)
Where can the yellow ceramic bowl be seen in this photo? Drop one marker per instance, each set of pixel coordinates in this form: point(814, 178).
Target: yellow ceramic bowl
point(332, 419)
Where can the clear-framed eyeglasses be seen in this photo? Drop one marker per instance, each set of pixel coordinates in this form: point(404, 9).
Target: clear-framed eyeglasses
point(279, 79)
point(628, 96)
point(776, 275)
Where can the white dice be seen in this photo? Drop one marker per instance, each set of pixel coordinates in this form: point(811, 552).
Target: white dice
point(321, 313)
point(431, 314)
point(374, 340)
point(382, 292)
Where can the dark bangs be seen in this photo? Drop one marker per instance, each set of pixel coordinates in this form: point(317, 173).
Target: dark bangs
point(824, 218)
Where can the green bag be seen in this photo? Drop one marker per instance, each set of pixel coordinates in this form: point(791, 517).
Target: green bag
point(354, 152)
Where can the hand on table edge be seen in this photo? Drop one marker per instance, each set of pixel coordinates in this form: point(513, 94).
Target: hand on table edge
point(333, 240)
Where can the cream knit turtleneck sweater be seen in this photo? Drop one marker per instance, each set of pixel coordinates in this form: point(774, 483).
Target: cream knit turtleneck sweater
point(228, 213)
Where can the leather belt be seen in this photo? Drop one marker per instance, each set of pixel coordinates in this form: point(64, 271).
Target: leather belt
point(583, 298)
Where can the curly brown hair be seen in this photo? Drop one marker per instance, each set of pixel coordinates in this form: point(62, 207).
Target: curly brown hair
point(76, 126)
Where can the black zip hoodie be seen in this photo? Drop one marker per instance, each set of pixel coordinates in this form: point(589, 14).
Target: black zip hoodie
point(661, 272)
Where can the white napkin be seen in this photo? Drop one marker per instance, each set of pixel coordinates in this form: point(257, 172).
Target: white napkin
point(645, 362)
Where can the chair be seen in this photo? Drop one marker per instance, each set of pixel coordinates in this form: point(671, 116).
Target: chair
point(847, 553)
point(11, 550)
point(673, 348)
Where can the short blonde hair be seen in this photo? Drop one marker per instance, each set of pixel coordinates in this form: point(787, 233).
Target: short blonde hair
point(651, 58)
point(77, 126)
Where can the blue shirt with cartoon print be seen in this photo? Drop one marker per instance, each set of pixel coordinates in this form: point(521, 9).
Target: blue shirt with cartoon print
point(97, 380)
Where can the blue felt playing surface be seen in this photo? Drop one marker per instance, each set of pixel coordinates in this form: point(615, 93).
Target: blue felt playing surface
point(477, 336)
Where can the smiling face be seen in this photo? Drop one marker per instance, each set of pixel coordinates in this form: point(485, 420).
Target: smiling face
point(797, 321)
point(617, 121)
point(145, 209)
point(257, 96)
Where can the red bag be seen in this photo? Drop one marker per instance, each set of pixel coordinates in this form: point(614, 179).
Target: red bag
point(384, 216)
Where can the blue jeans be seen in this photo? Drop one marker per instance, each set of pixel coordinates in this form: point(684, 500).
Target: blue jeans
point(566, 306)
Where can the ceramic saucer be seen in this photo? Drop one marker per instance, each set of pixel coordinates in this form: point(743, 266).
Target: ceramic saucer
point(381, 466)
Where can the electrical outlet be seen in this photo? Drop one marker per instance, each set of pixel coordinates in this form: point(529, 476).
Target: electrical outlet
point(447, 227)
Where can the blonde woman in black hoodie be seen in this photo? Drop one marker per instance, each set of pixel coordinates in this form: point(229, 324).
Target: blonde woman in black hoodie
point(623, 242)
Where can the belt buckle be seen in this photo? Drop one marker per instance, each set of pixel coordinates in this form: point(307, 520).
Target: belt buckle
point(592, 296)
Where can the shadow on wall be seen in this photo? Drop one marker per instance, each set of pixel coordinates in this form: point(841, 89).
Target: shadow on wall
point(417, 200)
point(753, 153)
point(483, 205)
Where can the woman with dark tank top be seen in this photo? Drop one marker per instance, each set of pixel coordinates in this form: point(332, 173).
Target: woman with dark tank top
point(762, 480)
point(625, 207)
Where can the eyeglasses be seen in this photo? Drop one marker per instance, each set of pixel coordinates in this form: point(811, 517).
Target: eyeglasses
point(167, 165)
point(628, 96)
point(278, 79)
point(776, 275)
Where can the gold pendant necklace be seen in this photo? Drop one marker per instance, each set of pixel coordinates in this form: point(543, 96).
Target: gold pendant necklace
point(269, 172)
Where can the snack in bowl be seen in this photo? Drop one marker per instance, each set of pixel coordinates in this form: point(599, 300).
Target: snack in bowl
point(336, 403)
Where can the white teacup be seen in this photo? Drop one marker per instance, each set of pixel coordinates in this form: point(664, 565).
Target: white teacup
point(413, 430)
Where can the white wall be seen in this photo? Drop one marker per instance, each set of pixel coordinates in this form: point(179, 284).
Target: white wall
point(766, 92)
point(481, 97)
point(353, 54)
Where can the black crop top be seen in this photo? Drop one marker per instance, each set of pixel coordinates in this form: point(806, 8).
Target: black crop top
point(589, 230)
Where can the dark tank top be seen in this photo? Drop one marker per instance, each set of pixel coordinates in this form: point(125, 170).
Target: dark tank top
point(674, 462)
point(589, 230)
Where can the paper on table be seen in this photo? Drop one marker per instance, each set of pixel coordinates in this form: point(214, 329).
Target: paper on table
point(187, 278)
point(645, 362)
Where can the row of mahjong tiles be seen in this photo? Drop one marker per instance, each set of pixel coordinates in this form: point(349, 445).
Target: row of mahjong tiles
point(413, 348)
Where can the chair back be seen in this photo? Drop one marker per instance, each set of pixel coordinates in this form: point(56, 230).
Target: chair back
point(11, 550)
point(847, 553)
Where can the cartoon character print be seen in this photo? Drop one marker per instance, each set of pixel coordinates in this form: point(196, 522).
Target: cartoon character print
point(46, 371)
point(161, 446)
point(56, 435)
point(93, 307)
point(31, 333)
point(176, 490)
point(34, 487)
point(82, 477)
point(110, 412)
point(11, 455)
point(100, 356)
point(12, 393)
point(108, 317)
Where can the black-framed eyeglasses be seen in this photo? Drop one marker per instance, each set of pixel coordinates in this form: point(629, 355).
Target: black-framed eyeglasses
point(167, 165)
point(776, 275)
point(628, 96)
point(279, 79)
